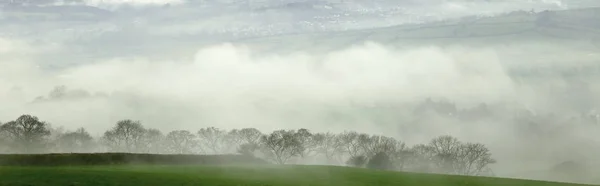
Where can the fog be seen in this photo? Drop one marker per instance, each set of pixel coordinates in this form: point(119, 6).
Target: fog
point(226, 79)
point(172, 83)
point(226, 86)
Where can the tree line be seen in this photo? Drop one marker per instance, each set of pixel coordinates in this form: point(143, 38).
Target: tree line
point(443, 154)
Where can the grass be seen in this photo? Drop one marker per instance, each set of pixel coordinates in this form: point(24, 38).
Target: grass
point(75, 159)
point(263, 175)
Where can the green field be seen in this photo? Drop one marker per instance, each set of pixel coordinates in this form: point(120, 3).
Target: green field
point(238, 175)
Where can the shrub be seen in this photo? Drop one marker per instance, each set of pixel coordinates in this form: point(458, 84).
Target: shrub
point(121, 158)
point(357, 161)
point(381, 161)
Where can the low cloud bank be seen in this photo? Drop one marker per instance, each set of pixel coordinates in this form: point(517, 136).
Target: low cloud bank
point(369, 88)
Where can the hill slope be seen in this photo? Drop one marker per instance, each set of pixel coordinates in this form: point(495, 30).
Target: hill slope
point(238, 175)
point(564, 27)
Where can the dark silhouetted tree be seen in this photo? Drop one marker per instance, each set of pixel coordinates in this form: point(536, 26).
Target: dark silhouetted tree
point(445, 151)
point(375, 144)
point(26, 134)
point(446, 154)
point(474, 159)
point(381, 161)
point(350, 143)
point(357, 161)
point(282, 145)
point(308, 141)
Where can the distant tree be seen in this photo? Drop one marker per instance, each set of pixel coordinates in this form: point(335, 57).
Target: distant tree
point(154, 141)
point(329, 145)
point(474, 159)
point(573, 169)
point(421, 159)
point(244, 136)
point(365, 144)
point(247, 135)
point(181, 142)
point(212, 140)
point(282, 145)
point(26, 134)
point(381, 161)
point(376, 144)
point(77, 141)
point(357, 161)
point(248, 149)
point(350, 143)
point(404, 159)
point(4, 140)
point(247, 140)
point(447, 154)
point(55, 134)
point(396, 151)
point(308, 142)
point(445, 150)
point(126, 136)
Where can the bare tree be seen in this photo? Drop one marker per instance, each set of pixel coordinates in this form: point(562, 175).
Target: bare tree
point(4, 140)
point(282, 145)
point(395, 150)
point(181, 142)
point(126, 136)
point(330, 146)
point(421, 159)
point(236, 138)
point(77, 141)
point(446, 151)
point(474, 159)
point(26, 133)
point(247, 140)
point(212, 139)
point(377, 144)
point(449, 155)
point(357, 161)
point(153, 141)
point(350, 143)
point(381, 160)
point(308, 141)
point(247, 135)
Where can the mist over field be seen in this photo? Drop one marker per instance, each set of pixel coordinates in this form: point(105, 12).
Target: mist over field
point(530, 99)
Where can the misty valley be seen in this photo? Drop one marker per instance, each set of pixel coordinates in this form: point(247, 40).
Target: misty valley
point(405, 92)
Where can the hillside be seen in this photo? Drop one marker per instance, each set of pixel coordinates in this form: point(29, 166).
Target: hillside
point(238, 175)
point(550, 26)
